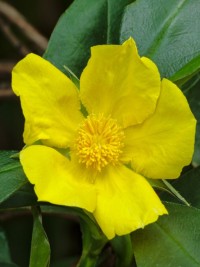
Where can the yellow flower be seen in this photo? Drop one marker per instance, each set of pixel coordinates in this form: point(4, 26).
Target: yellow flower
point(138, 126)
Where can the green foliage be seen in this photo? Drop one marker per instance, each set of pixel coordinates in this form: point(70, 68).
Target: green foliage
point(40, 249)
point(188, 185)
point(84, 24)
point(165, 31)
point(172, 241)
point(12, 177)
point(187, 72)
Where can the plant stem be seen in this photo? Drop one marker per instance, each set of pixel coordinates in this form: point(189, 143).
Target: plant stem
point(93, 242)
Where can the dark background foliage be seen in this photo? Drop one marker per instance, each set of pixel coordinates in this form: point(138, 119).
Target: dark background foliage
point(43, 16)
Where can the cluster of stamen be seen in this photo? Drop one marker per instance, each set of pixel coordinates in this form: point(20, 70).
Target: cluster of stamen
point(99, 142)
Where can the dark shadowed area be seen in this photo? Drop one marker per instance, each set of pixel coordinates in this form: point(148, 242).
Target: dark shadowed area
point(25, 26)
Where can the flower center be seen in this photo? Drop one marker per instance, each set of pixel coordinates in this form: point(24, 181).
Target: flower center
point(99, 142)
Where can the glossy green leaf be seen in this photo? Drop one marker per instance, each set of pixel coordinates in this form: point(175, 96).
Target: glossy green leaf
point(23, 197)
point(12, 177)
point(188, 185)
point(164, 185)
point(84, 24)
point(186, 73)
point(174, 240)
point(165, 31)
point(5, 258)
point(40, 248)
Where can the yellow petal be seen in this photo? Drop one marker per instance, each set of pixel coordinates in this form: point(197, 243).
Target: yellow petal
point(119, 83)
point(57, 180)
point(49, 101)
point(164, 143)
point(125, 202)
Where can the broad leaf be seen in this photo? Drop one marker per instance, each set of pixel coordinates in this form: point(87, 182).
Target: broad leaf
point(84, 24)
point(165, 31)
point(40, 249)
point(174, 240)
point(12, 177)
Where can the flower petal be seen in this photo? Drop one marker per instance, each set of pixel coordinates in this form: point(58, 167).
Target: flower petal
point(119, 83)
point(164, 143)
point(56, 179)
point(48, 101)
point(125, 202)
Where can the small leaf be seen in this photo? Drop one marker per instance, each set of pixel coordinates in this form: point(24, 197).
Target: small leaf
point(40, 248)
point(12, 177)
point(174, 240)
point(165, 31)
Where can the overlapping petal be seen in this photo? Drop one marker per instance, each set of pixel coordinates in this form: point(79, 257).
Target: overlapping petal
point(48, 99)
point(57, 180)
point(125, 202)
point(119, 83)
point(164, 143)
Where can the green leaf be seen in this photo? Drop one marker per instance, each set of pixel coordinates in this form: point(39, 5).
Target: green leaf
point(23, 197)
point(164, 185)
point(188, 185)
point(165, 31)
point(40, 248)
point(84, 24)
point(5, 258)
point(174, 240)
point(6, 157)
point(12, 177)
point(187, 72)
point(72, 77)
point(175, 192)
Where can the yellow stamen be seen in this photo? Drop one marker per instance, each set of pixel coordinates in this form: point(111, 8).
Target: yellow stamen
point(99, 142)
